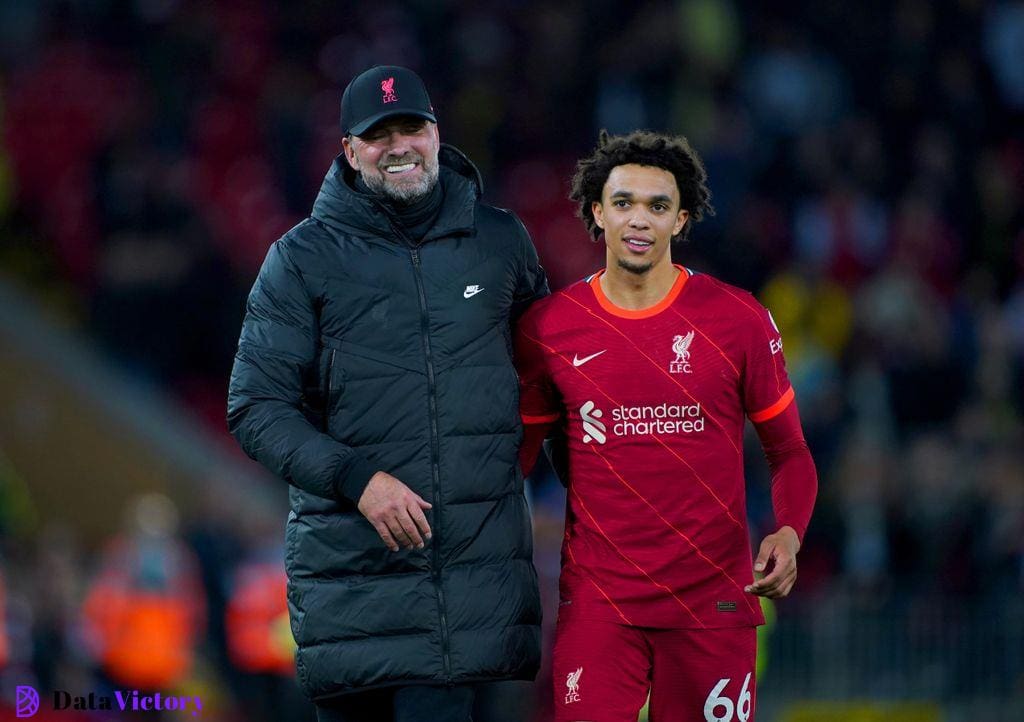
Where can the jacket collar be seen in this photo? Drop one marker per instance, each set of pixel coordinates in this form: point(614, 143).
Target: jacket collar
point(341, 206)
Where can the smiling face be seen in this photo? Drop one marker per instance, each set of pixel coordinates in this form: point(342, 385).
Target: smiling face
point(639, 213)
point(396, 157)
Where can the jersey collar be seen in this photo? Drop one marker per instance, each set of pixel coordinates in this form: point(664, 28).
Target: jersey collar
point(670, 297)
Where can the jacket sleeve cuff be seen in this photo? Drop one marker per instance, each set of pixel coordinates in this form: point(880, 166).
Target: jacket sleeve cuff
point(354, 478)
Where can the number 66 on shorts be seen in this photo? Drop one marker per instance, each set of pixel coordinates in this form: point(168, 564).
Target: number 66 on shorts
point(718, 701)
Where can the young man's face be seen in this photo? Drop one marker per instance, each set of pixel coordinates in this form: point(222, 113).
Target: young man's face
point(639, 213)
point(397, 157)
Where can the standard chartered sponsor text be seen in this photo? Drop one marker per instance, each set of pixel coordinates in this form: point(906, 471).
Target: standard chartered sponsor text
point(661, 419)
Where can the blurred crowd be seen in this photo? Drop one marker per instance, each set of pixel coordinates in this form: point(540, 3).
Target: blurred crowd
point(867, 167)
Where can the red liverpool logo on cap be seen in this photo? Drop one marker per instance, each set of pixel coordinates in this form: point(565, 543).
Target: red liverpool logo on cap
point(388, 88)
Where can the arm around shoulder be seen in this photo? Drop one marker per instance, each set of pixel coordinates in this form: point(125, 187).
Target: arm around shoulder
point(532, 282)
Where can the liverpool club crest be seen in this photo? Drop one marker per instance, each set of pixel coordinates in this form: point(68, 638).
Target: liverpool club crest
point(681, 347)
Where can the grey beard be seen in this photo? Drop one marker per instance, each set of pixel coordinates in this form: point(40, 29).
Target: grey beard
point(405, 194)
point(634, 268)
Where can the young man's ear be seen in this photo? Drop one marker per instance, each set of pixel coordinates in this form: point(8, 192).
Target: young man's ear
point(598, 210)
point(681, 219)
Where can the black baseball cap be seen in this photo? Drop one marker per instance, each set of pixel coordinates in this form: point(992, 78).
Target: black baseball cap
point(382, 92)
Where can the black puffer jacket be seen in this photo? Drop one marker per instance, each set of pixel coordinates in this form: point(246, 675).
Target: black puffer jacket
point(362, 352)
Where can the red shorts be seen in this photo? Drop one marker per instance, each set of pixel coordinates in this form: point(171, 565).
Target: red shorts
point(603, 672)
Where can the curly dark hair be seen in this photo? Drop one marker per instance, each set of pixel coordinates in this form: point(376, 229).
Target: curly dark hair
point(642, 147)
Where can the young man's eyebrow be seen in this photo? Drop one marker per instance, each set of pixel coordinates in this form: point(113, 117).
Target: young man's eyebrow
point(659, 198)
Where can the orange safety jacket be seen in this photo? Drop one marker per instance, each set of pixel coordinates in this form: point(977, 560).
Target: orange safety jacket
point(259, 637)
point(145, 638)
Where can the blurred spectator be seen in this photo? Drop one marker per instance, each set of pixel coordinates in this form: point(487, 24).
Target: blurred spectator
point(791, 88)
point(1004, 40)
point(259, 637)
point(144, 612)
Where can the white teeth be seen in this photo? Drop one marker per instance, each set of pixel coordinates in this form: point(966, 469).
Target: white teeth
point(400, 168)
point(636, 242)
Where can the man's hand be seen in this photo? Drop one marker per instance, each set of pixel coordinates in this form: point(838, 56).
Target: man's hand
point(395, 511)
point(780, 550)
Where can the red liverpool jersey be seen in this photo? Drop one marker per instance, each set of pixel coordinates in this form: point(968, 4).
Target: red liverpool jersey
point(653, 404)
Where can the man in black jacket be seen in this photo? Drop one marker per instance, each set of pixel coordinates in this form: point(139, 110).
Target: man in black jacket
point(374, 375)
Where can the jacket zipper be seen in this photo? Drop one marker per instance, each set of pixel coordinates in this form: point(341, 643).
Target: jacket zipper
point(435, 467)
point(328, 389)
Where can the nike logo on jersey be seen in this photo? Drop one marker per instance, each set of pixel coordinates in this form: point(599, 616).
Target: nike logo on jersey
point(577, 361)
point(471, 291)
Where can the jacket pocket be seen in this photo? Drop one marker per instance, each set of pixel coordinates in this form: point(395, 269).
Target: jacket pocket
point(329, 386)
